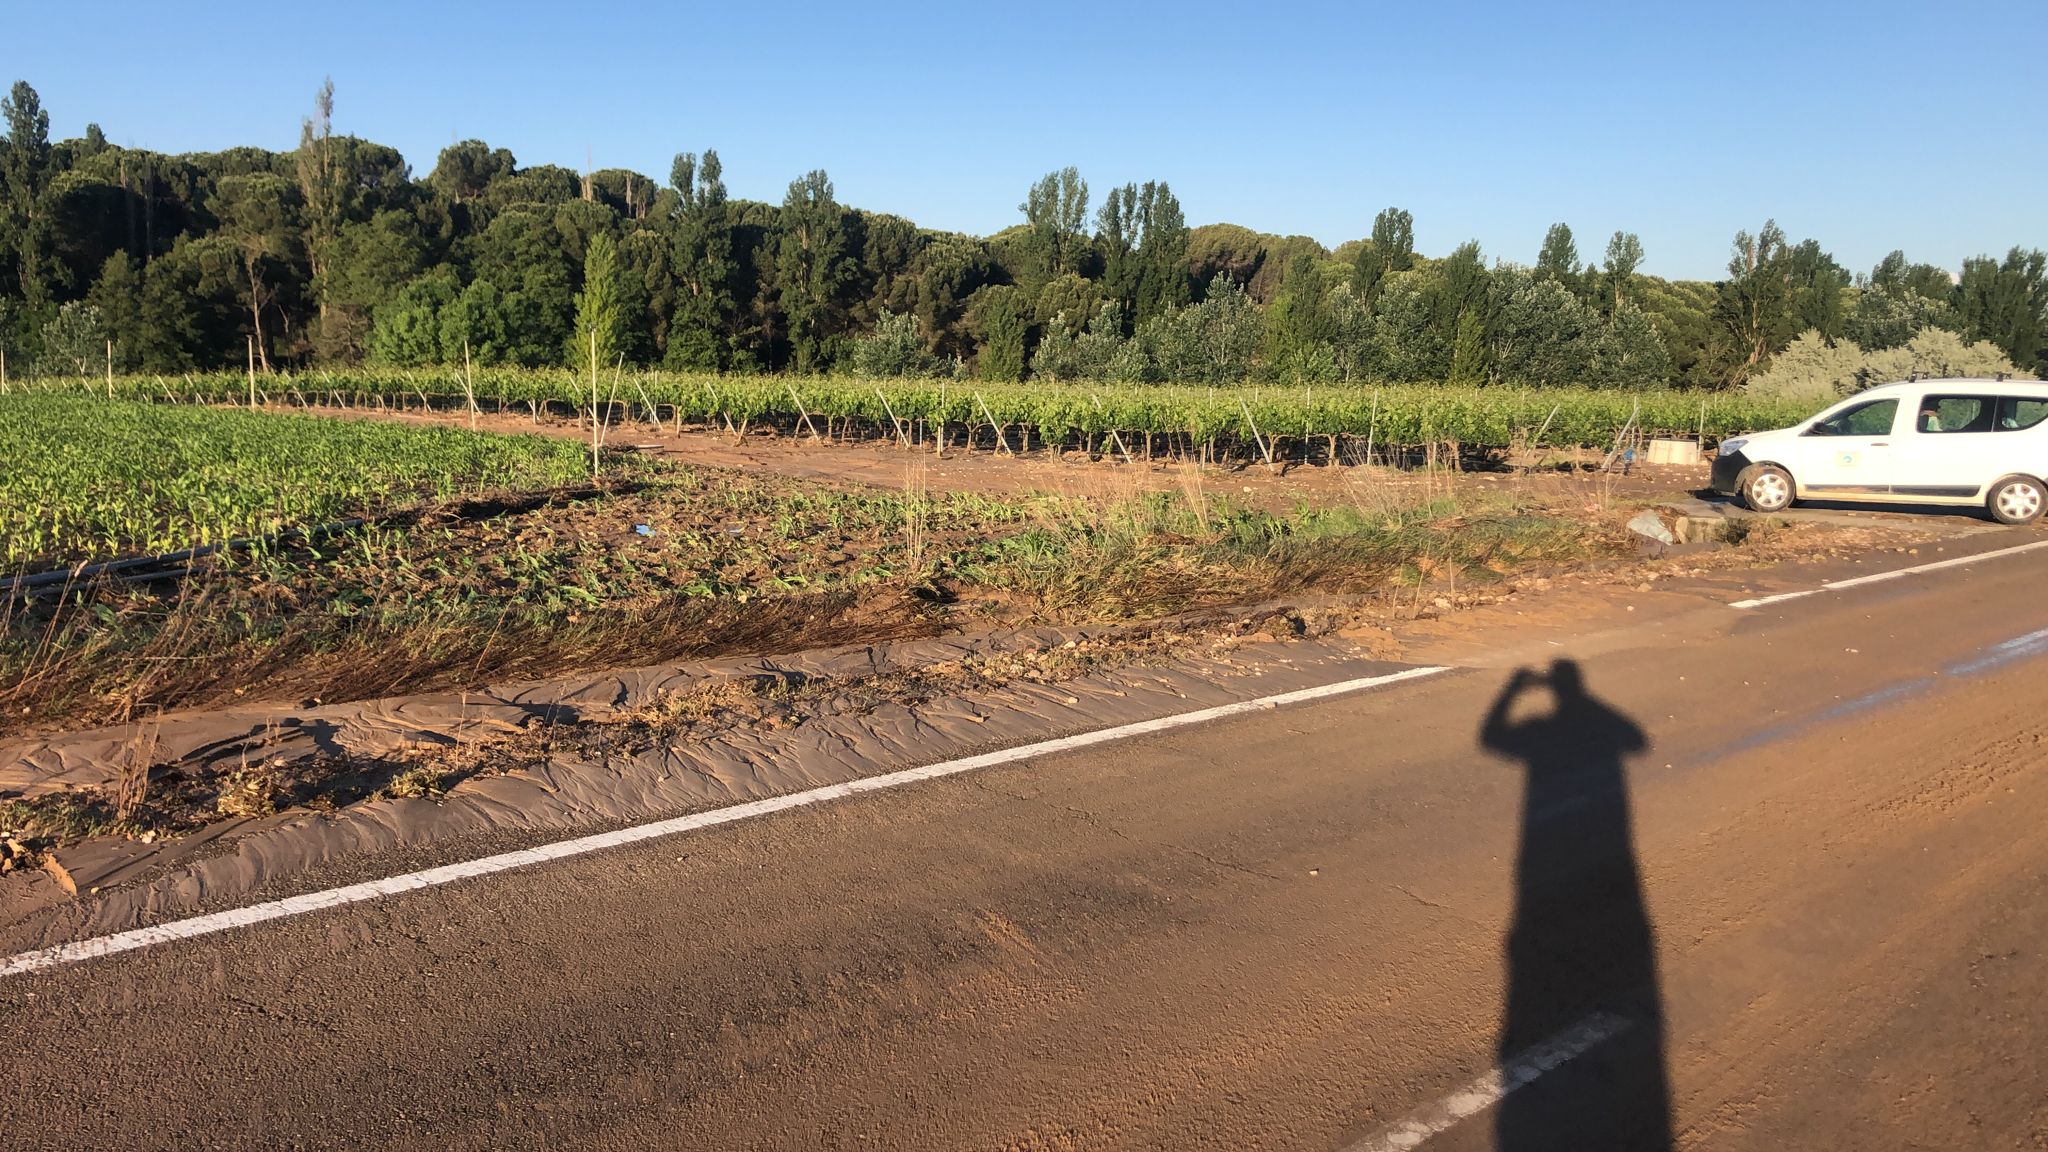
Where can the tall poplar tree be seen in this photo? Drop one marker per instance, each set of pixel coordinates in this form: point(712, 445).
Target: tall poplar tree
point(1624, 256)
point(1392, 250)
point(320, 187)
point(1753, 306)
point(700, 331)
point(1559, 257)
point(25, 172)
point(812, 268)
point(1056, 208)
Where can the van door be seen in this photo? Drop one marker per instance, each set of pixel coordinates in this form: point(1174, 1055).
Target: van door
point(1948, 450)
point(1848, 454)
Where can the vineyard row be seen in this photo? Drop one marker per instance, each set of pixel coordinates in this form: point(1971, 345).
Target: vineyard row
point(1128, 418)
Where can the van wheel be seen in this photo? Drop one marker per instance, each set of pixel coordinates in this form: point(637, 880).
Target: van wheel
point(2016, 500)
point(1765, 488)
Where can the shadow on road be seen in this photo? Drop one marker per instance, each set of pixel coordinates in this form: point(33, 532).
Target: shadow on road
point(1581, 943)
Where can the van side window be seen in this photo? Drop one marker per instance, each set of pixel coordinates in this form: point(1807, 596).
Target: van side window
point(2019, 412)
point(1955, 414)
point(1871, 419)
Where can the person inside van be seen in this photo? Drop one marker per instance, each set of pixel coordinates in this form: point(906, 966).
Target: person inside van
point(1930, 420)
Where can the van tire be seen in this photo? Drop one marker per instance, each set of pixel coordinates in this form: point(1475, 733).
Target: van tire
point(1765, 488)
point(2016, 500)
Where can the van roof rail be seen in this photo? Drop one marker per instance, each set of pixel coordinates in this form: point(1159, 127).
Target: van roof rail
point(2000, 378)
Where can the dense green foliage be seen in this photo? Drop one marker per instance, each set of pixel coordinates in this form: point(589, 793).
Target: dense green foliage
point(1813, 371)
point(334, 254)
point(88, 478)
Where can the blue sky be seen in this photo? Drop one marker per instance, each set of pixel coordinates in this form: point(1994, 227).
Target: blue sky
point(1867, 126)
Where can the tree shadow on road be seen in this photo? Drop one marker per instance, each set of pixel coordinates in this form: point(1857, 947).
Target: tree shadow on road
point(1581, 959)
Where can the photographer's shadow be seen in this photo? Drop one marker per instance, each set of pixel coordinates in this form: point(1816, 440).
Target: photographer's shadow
point(1581, 958)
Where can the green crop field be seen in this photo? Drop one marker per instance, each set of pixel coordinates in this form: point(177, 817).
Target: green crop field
point(1190, 418)
point(164, 465)
point(85, 478)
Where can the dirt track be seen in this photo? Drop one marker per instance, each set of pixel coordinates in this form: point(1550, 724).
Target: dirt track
point(1282, 931)
point(883, 464)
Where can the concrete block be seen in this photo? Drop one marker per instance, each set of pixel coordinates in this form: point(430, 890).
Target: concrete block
point(1685, 452)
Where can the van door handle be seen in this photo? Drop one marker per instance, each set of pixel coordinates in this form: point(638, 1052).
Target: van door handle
point(1880, 444)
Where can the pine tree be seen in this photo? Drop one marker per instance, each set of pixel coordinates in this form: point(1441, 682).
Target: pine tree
point(117, 296)
point(1468, 350)
point(1300, 327)
point(1000, 315)
point(598, 309)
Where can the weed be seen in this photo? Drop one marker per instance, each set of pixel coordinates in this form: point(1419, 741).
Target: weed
point(421, 781)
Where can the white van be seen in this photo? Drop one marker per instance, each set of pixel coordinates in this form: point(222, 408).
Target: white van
point(1955, 442)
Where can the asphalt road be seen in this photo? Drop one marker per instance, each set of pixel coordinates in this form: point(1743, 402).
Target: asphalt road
point(1797, 879)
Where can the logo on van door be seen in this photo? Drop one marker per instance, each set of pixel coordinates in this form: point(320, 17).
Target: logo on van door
point(1845, 460)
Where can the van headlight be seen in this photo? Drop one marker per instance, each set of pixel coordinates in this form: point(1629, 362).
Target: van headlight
point(1735, 445)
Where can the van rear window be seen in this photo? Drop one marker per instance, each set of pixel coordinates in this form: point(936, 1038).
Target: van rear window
point(2017, 412)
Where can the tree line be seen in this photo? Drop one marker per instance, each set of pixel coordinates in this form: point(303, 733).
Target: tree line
point(335, 254)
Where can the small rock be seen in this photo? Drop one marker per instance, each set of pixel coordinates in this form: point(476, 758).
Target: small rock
point(1650, 526)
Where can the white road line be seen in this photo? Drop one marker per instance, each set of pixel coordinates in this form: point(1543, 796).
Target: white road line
point(99, 946)
point(1879, 577)
point(1488, 1090)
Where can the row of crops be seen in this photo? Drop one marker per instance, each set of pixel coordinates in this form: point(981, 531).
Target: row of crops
point(1191, 418)
point(84, 478)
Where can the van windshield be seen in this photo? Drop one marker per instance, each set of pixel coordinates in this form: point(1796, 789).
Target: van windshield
point(1869, 419)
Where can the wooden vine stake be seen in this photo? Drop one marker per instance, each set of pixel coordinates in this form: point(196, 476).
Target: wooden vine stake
point(653, 413)
point(1118, 440)
point(617, 371)
point(252, 371)
point(110, 369)
point(1261, 440)
point(468, 384)
point(593, 407)
point(1635, 410)
point(798, 401)
point(1372, 426)
point(902, 437)
point(1537, 443)
point(1002, 441)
